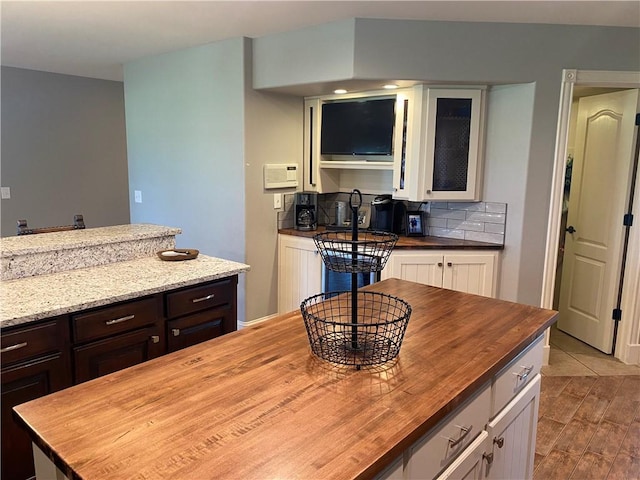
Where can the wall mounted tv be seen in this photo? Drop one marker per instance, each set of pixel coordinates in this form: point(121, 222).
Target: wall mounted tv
point(358, 127)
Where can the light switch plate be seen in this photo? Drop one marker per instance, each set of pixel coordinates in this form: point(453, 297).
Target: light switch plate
point(5, 193)
point(137, 196)
point(277, 200)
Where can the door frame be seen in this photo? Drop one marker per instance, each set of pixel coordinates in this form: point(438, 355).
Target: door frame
point(628, 344)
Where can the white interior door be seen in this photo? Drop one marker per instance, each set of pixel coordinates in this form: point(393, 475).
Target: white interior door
point(598, 197)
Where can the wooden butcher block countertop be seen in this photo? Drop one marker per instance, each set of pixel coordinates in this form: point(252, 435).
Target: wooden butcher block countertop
point(255, 404)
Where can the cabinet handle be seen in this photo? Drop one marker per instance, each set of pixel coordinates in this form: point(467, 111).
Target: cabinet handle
point(428, 192)
point(202, 299)
point(440, 264)
point(175, 331)
point(155, 338)
point(13, 347)
point(454, 443)
point(488, 457)
point(120, 320)
point(449, 264)
point(499, 442)
point(524, 373)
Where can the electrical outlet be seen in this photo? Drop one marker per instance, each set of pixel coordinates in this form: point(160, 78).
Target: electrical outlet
point(5, 193)
point(137, 196)
point(277, 200)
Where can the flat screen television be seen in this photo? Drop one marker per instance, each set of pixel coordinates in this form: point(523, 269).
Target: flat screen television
point(358, 127)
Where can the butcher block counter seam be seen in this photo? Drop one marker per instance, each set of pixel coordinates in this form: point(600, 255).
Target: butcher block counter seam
point(410, 243)
point(34, 298)
point(256, 404)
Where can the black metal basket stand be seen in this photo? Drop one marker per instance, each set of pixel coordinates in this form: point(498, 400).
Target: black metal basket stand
point(351, 327)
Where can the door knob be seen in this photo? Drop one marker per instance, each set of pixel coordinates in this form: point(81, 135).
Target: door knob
point(570, 229)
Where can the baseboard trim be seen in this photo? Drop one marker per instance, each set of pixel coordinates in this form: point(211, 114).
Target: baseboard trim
point(632, 356)
point(255, 321)
point(545, 354)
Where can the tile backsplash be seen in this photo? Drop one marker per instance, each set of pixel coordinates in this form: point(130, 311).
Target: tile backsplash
point(479, 221)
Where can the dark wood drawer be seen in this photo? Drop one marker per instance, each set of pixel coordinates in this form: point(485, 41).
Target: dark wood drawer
point(114, 319)
point(202, 297)
point(33, 340)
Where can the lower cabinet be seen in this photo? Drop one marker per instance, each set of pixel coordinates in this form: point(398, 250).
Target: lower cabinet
point(42, 357)
point(299, 271)
point(470, 272)
point(474, 443)
point(197, 314)
point(35, 362)
point(513, 434)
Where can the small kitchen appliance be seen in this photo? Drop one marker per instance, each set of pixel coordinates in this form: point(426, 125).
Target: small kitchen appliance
point(306, 210)
point(383, 213)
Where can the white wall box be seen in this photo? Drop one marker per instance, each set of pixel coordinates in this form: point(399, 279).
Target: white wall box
point(469, 271)
point(299, 271)
point(280, 175)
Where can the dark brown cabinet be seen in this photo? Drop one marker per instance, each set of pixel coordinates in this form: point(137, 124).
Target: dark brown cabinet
point(111, 338)
point(41, 357)
point(35, 362)
point(197, 314)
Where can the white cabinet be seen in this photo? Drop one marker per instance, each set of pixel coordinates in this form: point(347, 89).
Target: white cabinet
point(444, 147)
point(470, 272)
point(491, 435)
point(299, 271)
point(513, 435)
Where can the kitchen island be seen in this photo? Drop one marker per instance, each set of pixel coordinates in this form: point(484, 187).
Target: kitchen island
point(256, 404)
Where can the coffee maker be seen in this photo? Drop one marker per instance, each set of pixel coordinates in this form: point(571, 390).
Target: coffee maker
point(306, 210)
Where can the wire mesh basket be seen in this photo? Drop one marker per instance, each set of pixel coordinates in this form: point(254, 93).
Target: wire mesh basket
point(372, 336)
point(368, 252)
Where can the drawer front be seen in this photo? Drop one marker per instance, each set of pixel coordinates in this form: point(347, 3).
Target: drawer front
point(512, 379)
point(439, 448)
point(201, 297)
point(28, 342)
point(114, 319)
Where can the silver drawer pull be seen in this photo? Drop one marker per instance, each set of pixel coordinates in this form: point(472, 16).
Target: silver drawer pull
point(455, 442)
point(13, 347)
point(120, 320)
point(175, 331)
point(202, 299)
point(524, 373)
point(155, 338)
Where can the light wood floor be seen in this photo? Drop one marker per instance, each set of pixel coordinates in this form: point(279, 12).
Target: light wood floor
point(589, 417)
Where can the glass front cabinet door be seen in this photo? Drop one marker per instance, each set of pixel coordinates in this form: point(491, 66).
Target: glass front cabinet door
point(453, 143)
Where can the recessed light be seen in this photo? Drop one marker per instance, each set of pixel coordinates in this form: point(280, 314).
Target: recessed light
point(340, 90)
point(390, 86)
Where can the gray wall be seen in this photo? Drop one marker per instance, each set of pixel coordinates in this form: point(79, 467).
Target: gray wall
point(273, 134)
point(63, 150)
point(475, 53)
point(185, 137)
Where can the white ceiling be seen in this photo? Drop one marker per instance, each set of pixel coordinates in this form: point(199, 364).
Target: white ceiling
point(94, 38)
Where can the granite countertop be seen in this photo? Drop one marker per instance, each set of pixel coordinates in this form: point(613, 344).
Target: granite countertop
point(407, 243)
point(72, 239)
point(254, 404)
point(33, 298)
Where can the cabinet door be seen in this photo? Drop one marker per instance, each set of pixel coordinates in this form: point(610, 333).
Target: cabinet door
point(406, 143)
point(115, 353)
point(423, 268)
point(470, 273)
point(469, 465)
point(513, 435)
point(299, 271)
point(21, 383)
point(452, 144)
point(199, 327)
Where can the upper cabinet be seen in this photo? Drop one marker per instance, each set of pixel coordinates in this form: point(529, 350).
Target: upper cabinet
point(436, 147)
point(445, 155)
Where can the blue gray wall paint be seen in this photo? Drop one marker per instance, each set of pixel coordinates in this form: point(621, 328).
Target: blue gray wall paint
point(63, 150)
